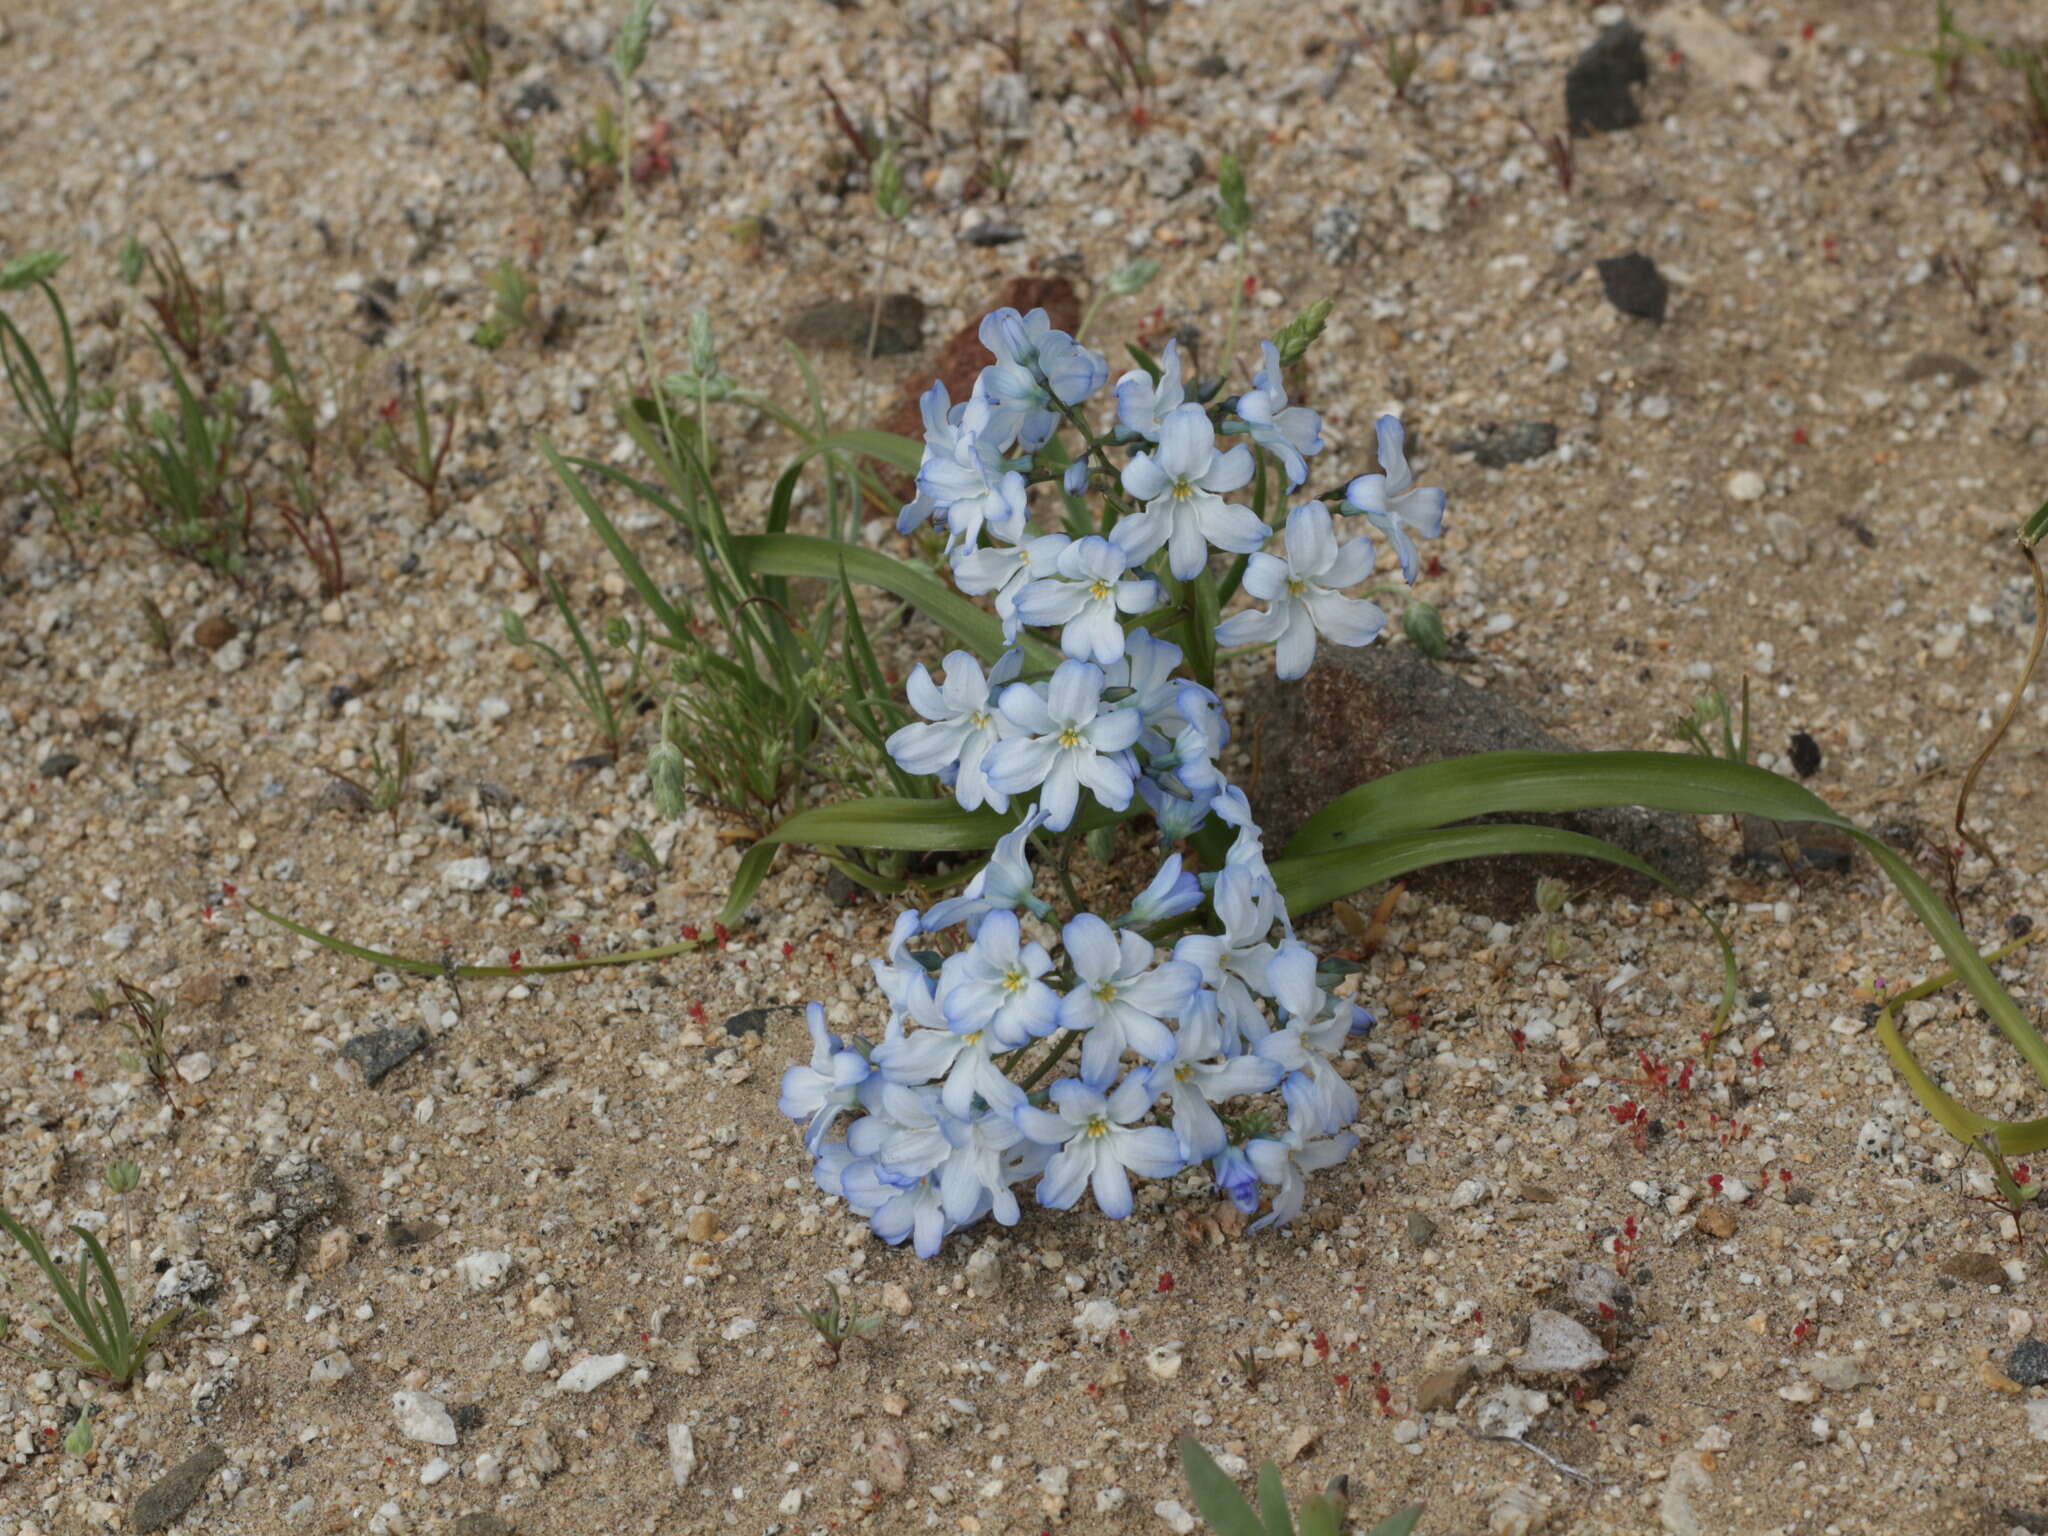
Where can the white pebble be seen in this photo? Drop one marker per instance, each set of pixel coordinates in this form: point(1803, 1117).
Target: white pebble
point(589, 1374)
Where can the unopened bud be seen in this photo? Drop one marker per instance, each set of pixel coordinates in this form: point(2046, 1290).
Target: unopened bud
point(123, 1177)
point(665, 771)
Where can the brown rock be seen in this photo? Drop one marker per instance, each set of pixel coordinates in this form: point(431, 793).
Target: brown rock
point(889, 1459)
point(847, 324)
point(1715, 1221)
point(202, 989)
point(1439, 1391)
point(1981, 1268)
point(210, 634)
point(1362, 714)
point(176, 1491)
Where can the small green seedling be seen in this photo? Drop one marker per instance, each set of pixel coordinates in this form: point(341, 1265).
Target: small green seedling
point(1713, 711)
point(602, 145)
point(633, 842)
point(515, 308)
point(584, 677)
point(155, 625)
point(52, 413)
point(390, 780)
point(146, 1019)
point(181, 465)
point(416, 454)
point(835, 1325)
point(1225, 1511)
point(518, 144)
point(193, 317)
point(1399, 60)
point(100, 1339)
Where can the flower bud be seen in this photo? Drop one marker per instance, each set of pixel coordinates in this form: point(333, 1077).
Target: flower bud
point(78, 1439)
point(665, 771)
point(512, 626)
point(1424, 627)
point(1549, 896)
point(617, 631)
point(123, 1177)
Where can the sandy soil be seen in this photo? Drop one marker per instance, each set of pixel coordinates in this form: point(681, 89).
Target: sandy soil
point(1824, 1356)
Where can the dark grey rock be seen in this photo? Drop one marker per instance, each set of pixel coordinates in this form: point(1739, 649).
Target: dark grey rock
point(534, 97)
point(468, 1416)
point(1795, 846)
point(292, 1192)
point(1420, 1230)
point(846, 323)
point(59, 765)
point(1497, 446)
point(1634, 285)
point(992, 232)
point(754, 1021)
point(340, 795)
point(1334, 234)
point(176, 1491)
point(480, 1523)
point(1960, 373)
point(378, 1053)
point(2028, 1363)
point(1599, 94)
point(1362, 714)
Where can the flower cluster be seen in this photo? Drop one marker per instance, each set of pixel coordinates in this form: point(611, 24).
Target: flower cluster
point(1193, 1030)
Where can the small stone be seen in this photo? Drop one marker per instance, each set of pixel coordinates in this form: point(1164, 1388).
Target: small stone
point(1519, 1511)
point(701, 1225)
point(1169, 165)
point(1599, 94)
point(1837, 1373)
point(231, 657)
point(213, 632)
point(1788, 540)
point(329, 1369)
point(754, 1021)
point(541, 1455)
point(186, 1282)
point(167, 1499)
point(1468, 1194)
point(1510, 1411)
point(1715, 1221)
point(540, 1354)
point(480, 1522)
point(1634, 285)
point(682, 1454)
point(434, 1471)
point(1559, 1346)
point(993, 232)
point(422, 1418)
point(847, 324)
point(484, 1271)
point(58, 765)
point(984, 1273)
point(1177, 1519)
point(1691, 1476)
point(588, 1374)
point(1296, 1445)
point(1439, 1391)
point(1598, 1294)
point(1496, 446)
point(1426, 201)
point(332, 1251)
point(1163, 1361)
point(1960, 373)
point(1980, 1268)
point(1746, 485)
point(2028, 1363)
point(896, 1300)
point(1996, 1380)
point(472, 874)
point(2037, 1418)
point(889, 1459)
point(202, 989)
point(1334, 234)
point(381, 1051)
point(1420, 1230)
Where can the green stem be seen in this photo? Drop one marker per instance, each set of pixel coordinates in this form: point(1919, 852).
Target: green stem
point(1236, 304)
point(1060, 1048)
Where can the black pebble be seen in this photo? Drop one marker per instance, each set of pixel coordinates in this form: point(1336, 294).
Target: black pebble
point(1634, 285)
point(380, 1051)
point(2028, 1363)
point(1805, 755)
point(59, 765)
point(1597, 88)
point(2019, 925)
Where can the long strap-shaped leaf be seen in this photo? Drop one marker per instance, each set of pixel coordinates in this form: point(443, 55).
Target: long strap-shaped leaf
point(1314, 880)
point(1457, 789)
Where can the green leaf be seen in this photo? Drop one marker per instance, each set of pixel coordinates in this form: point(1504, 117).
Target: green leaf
point(1144, 360)
point(1273, 1501)
point(1132, 276)
point(413, 967)
point(1233, 212)
point(2036, 527)
point(796, 554)
point(1215, 1495)
point(30, 267)
point(1398, 1524)
point(1309, 881)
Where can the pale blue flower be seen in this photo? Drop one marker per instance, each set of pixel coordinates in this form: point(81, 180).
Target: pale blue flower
point(1089, 586)
point(1199, 1077)
point(1183, 486)
point(1393, 503)
point(1180, 815)
point(1235, 963)
point(1141, 405)
point(967, 482)
point(1304, 594)
point(1098, 1144)
point(1285, 1165)
point(1121, 998)
point(994, 985)
point(1066, 740)
point(1074, 481)
point(1005, 570)
point(961, 1059)
point(1035, 365)
point(961, 724)
point(1001, 885)
point(829, 1087)
point(1173, 891)
point(1289, 432)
